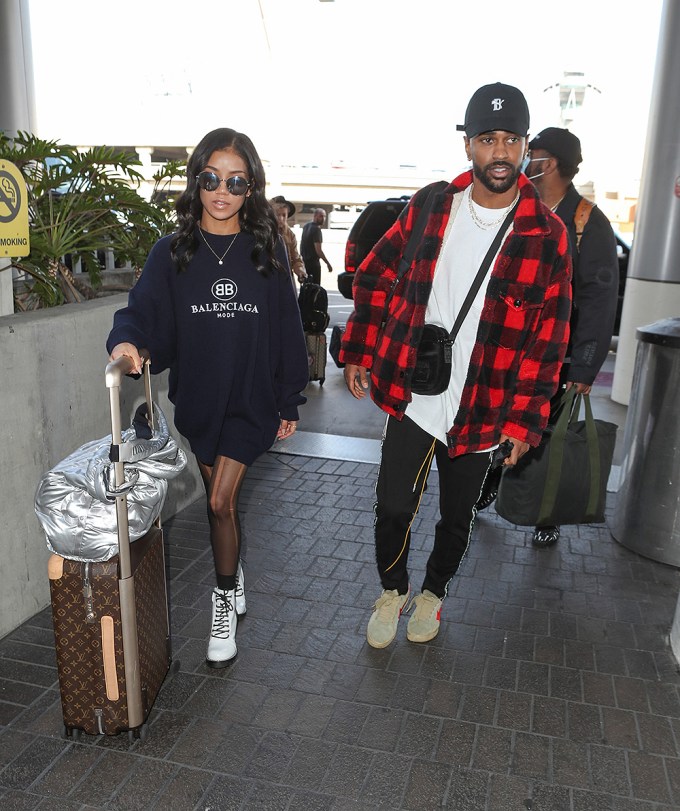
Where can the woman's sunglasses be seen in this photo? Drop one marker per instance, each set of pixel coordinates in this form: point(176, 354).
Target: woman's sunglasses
point(236, 185)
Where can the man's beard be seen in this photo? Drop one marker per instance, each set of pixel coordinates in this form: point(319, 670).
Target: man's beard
point(496, 186)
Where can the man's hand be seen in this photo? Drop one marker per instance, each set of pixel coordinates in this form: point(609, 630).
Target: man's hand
point(518, 450)
point(581, 388)
point(356, 379)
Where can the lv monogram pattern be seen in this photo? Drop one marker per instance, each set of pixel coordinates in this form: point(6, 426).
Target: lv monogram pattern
point(77, 632)
point(152, 621)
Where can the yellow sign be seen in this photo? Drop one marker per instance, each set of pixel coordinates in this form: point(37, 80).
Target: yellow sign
point(14, 239)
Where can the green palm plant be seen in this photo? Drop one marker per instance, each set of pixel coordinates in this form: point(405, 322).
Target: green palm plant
point(80, 204)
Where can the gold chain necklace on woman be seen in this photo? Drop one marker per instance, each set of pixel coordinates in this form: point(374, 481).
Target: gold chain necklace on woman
point(220, 259)
point(480, 223)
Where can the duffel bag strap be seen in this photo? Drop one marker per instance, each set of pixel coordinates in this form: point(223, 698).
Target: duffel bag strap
point(555, 458)
point(594, 456)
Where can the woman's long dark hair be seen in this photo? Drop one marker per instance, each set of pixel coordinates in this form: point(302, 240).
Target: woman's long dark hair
point(255, 216)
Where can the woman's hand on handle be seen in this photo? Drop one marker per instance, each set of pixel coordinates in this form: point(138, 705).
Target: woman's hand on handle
point(130, 351)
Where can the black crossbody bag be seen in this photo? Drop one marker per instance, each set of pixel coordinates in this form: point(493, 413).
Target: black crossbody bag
point(432, 372)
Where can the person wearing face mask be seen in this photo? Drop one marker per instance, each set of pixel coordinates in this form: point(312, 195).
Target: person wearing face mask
point(553, 161)
point(215, 305)
point(554, 158)
point(488, 225)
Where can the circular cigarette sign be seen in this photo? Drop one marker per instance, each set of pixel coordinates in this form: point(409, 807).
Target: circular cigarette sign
point(14, 238)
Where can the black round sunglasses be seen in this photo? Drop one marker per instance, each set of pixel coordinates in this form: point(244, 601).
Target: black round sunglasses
point(236, 185)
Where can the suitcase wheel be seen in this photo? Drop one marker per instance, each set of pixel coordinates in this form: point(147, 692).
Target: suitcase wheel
point(72, 733)
point(138, 733)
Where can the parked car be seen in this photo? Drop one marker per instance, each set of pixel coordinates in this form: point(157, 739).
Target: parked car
point(379, 215)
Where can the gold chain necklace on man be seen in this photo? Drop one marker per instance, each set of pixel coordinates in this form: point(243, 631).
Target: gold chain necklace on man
point(220, 259)
point(480, 223)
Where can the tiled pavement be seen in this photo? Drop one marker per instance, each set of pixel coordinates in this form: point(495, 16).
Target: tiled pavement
point(550, 687)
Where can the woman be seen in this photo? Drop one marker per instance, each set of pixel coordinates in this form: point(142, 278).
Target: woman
point(215, 305)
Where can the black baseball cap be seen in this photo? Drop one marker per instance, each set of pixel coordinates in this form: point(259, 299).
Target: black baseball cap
point(560, 143)
point(496, 107)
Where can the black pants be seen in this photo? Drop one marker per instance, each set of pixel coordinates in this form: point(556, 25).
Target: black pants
point(313, 271)
point(407, 455)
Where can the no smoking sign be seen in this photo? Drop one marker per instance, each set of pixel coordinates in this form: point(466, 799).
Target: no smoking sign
point(14, 236)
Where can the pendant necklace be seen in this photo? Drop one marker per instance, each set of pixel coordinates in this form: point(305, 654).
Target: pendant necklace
point(220, 259)
point(480, 223)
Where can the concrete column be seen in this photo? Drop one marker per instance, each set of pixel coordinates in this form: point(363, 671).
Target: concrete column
point(6, 287)
point(17, 98)
point(653, 285)
point(144, 154)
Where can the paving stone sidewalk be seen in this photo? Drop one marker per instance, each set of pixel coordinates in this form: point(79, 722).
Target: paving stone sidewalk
point(551, 686)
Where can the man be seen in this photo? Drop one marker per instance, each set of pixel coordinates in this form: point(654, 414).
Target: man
point(284, 209)
point(555, 155)
point(310, 246)
point(506, 357)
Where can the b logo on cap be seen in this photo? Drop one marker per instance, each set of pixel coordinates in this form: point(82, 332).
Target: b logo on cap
point(497, 104)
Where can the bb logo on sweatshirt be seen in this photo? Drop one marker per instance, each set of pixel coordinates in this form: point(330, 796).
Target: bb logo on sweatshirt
point(224, 289)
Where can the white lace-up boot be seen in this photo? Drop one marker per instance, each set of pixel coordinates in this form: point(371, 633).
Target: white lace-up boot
point(240, 591)
point(222, 642)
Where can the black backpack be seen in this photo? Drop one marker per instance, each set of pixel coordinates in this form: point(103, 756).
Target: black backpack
point(313, 302)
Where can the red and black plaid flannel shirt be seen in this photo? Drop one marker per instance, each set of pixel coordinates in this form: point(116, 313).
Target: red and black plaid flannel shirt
point(522, 334)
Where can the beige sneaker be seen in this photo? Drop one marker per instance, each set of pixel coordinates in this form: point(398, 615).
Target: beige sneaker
point(382, 627)
point(424, 623)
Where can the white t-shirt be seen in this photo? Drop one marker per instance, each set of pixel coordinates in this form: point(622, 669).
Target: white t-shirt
point(463, 249)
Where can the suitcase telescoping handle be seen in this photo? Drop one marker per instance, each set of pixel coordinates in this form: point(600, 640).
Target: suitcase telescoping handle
point(115, 372)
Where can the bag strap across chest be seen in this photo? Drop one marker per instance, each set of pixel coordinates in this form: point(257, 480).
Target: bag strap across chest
point(581, 217)
point(414, 241)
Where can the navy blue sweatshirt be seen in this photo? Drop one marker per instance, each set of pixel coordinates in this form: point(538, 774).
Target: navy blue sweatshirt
point(232, 339)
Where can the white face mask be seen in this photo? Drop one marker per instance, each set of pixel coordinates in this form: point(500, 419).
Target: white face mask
point(525, 165)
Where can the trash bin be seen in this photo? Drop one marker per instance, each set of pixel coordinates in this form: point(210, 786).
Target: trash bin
point(647, 514)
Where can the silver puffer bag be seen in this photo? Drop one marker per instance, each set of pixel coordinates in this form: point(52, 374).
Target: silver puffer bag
point(75, 501)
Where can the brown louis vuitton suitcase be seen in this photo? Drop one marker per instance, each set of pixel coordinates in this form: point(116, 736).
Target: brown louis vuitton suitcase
point(110, 618)
point(316, 353)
